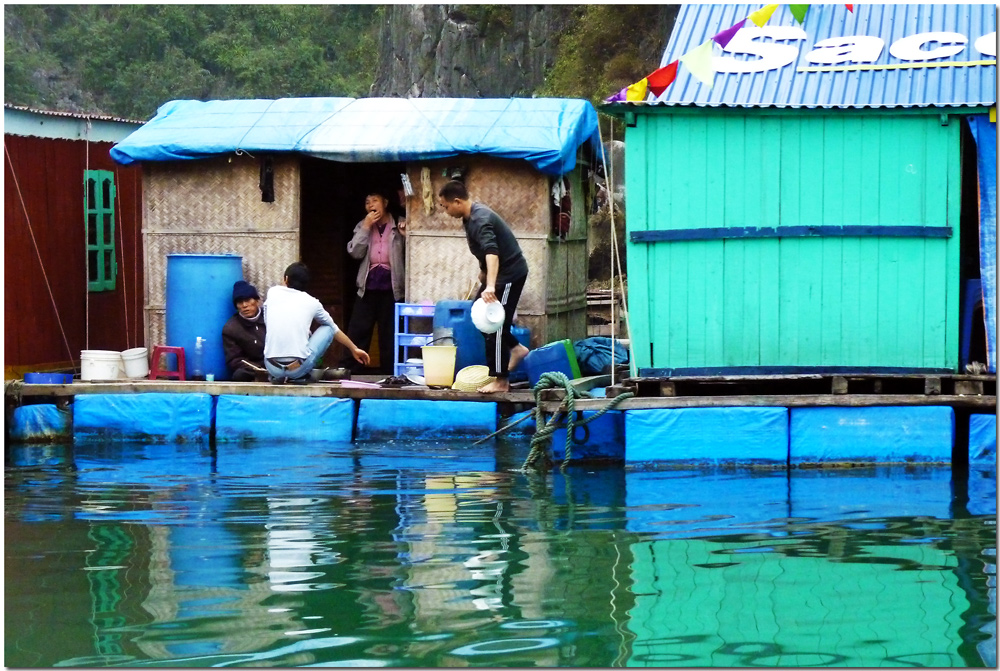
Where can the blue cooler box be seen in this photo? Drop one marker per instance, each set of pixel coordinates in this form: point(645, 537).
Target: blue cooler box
point(557, 357)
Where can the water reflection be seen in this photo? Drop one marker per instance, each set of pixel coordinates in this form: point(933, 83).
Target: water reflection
point(442, 555)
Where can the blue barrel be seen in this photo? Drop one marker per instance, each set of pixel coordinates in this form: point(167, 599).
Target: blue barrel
point(457, 316)
point(523, 335)
point(199, 301)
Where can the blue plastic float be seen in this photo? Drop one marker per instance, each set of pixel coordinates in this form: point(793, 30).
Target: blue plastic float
point(283, 418)
point(872, 435)
point(389, 419)
point(707, 435)
point(41, 423)
point(155, 417)
point(983, 439)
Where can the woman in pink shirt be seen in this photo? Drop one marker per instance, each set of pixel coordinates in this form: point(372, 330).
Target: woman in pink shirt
point(379, 242)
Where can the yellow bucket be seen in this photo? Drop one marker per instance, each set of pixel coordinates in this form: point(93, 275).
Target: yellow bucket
point(439, 364)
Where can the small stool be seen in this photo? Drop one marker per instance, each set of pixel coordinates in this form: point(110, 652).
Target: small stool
point(158, 352)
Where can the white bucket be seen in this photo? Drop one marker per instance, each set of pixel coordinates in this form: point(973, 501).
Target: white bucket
point(136, 362)
point(100, 364)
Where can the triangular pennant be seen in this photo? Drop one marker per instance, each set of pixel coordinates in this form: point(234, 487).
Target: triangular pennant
point(636, 92)
point(799, 12)
point(763, 15)
point(659, 81)
point(698, 61)
point(619, 97)
point(722, 39)
point(850, 8)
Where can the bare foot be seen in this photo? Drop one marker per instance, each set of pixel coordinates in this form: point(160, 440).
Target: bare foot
point(500, 384)
point(516, 355)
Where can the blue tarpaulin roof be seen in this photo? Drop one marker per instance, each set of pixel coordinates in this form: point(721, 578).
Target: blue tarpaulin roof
point(546, 132)
point(933, 75)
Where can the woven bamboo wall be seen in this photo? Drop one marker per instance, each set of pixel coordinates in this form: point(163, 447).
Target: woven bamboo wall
point(439, 265)
point(214, 206)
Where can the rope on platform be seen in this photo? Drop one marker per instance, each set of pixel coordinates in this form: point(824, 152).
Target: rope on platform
point(544, 429)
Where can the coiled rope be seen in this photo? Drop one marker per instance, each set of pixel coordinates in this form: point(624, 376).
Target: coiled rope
point(545, 428)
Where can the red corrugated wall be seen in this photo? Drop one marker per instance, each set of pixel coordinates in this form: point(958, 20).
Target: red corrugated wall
point(43, 186)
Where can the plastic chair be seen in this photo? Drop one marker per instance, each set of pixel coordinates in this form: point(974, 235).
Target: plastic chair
point(972, 296)
point(159, 354)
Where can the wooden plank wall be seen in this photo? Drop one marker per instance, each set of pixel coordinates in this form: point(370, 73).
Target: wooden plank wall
point(49, 174)
point(794, 301)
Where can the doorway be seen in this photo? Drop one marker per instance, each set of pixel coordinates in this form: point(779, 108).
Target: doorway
point(333, 202)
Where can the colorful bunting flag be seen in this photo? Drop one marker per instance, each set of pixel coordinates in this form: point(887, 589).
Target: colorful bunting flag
point(763, 15)
point(619, 97)
point(723, 38)
point(698, 61)
point(659, 80)
point(636, 92)
point(799, 12)
point(850, 8)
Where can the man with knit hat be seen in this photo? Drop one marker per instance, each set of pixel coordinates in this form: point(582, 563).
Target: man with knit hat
point(243, 335)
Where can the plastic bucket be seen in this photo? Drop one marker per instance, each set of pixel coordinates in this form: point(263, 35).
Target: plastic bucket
point(439, 365)
point(136, 362)
point(100, 364)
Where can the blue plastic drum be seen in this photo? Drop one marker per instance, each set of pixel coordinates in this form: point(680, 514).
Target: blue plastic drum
point(199, 301)
point(457, 316)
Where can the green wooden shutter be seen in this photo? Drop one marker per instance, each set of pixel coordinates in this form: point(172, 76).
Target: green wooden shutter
point(99, 220)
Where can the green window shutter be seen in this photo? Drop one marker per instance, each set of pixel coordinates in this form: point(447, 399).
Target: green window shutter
point(99, 219)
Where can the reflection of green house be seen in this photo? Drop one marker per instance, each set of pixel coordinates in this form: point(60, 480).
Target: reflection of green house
point(711, 604)
point(815, 210)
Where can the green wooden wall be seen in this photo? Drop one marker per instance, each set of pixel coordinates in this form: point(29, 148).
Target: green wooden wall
point(793, 301)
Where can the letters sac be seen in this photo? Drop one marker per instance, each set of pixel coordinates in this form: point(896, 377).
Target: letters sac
point(840, 50)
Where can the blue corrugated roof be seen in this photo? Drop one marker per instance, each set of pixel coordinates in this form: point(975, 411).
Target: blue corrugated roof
point(789, 86)
point(546, 132)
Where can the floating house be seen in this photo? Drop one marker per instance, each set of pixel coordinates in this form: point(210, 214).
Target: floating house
point(276, 181)
point(73, 263)
point(813, 205)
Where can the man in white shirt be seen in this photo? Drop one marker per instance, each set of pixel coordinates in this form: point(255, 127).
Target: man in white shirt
point(290, 352)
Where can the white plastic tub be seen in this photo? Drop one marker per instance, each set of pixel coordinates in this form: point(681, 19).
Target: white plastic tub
point(100, 364)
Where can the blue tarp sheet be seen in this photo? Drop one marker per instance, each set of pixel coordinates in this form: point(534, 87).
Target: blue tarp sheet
point(546, 132)
point(985, 132)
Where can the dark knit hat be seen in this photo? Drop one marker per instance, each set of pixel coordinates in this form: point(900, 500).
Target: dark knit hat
point(243, 289)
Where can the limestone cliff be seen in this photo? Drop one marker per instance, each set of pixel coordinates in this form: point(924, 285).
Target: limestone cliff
point(482, 51)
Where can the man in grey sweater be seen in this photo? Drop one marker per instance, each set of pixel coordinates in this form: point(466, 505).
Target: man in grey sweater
point(503, 272)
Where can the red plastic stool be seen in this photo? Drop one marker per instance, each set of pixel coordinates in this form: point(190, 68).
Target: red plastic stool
point(158, 353)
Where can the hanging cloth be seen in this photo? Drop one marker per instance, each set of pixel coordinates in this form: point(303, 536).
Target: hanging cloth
point(985, 132)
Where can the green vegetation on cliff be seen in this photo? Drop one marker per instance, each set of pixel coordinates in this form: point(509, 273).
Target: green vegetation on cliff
point(128, 59)
point(609, 47)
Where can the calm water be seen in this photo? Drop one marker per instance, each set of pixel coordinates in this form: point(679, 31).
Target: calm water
point(441, 555)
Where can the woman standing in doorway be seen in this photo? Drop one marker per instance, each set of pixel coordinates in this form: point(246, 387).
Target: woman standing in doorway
point(379, 242)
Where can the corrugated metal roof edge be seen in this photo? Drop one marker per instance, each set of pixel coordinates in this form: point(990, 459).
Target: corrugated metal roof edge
point(72, 115)
point(621, 107)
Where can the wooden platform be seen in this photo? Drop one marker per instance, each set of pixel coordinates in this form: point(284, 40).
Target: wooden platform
point(316, 389)
point(973, 392)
